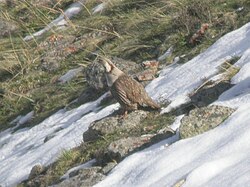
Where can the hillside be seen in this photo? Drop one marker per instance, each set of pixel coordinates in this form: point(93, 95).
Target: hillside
point(50, 108)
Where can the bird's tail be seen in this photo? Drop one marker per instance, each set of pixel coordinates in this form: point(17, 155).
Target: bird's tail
point(152, 104)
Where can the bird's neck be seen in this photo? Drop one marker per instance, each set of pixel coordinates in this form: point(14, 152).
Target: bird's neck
point(113, 75)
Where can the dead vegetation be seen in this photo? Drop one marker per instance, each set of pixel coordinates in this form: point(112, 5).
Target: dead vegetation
point(130, 29)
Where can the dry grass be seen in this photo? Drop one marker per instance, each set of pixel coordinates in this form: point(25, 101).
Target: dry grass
point(135, 30)
point(132, 29)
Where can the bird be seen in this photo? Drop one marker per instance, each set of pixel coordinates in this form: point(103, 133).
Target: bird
point(127, 91)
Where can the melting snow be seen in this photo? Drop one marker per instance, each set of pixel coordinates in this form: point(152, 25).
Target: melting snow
point(70, 75)
point(99, 8)
point(220, 157)
point(74, 9)
point(21, 150)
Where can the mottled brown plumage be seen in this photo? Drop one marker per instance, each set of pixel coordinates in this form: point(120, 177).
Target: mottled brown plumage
point(128, 92)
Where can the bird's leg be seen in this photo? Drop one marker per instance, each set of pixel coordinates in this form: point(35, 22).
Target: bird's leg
point(124, 114)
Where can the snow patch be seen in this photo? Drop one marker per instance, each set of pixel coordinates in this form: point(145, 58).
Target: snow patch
point(70, 75)
point(219, 157)
point(23, 149)
point(163, 164)
point(99, 8)
point(61, 21)
point(166, 54)
point(176, 103)
point(73, 10)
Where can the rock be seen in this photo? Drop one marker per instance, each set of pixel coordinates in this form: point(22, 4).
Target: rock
point(100, 128)
point(151, 68)
point(86, 171)
point(112, 124)
point(146, 75)
point(83, 178)
point(133, 120)
point(7, 27)
point(109, 166)
point(40, 181)
point(119, 149)
point(49, 137)
point(162, 134)
point(95, 76)
point(206, 94)
point(95, 72)
point(35, 171)
point(203, 119)
point(209, 92)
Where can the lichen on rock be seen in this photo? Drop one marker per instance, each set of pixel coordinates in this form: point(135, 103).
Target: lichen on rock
point(113, 124)
point(203, 119)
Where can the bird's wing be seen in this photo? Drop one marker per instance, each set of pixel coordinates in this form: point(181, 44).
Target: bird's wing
point(119, 91)
point(136, 93)
point(129, 90)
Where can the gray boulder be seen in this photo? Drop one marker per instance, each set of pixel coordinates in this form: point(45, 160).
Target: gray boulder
point(108, 167)
point(209, 92)
point(83, 178)
point(121, 148)
point(113, 124)
point(95, 72)
point(36, 170)
point(203, 119)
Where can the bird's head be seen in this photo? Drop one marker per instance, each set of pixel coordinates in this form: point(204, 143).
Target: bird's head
point(112, 72)
point(108, 65)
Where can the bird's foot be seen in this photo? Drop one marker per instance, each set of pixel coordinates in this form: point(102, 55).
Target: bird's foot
point(123, 115)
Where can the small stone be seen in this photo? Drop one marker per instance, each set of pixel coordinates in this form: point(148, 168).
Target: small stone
point(146, 75)
point(100, 128)
point(121, 148)
point(86, 172)
point(109, 166)
point(209, 92)
point(35, 171)
point(163, 134)
point(83, 178)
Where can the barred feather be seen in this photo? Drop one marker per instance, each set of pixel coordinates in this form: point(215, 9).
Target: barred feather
point(131, 94)
point(127, 91)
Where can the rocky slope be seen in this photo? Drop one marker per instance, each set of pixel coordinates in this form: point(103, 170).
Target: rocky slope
point(37, 84)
